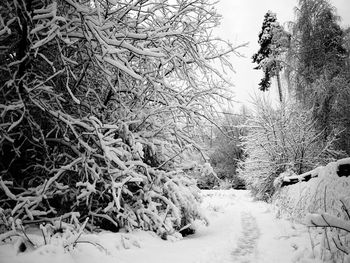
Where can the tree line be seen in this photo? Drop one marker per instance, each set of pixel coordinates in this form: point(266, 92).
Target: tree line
point(309, 58)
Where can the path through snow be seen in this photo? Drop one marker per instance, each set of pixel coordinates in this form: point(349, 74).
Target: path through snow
point(246, 245)
point(240, 230)
point(266, 239)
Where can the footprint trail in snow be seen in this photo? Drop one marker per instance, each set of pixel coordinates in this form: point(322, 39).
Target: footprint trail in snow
point(247, 243)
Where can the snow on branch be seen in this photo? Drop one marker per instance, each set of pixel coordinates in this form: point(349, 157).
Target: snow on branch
point(327, 220)
point(101, 100)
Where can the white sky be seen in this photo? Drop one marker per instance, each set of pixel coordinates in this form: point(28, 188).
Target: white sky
point(242, 21)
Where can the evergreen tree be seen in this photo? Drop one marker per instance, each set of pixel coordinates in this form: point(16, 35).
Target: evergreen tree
point(273, 41)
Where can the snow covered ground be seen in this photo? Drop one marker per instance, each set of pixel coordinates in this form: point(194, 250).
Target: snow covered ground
point(240, 230)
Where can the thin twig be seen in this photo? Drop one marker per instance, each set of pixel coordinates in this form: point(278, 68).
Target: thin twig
point(25, 234)
point(345, 209)
point(94, 244)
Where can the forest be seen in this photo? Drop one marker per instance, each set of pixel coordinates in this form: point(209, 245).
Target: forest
point(112, 116)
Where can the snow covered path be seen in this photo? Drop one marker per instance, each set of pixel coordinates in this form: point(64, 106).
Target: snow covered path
point(240, 230)
point(247, 243)
point(265, 238)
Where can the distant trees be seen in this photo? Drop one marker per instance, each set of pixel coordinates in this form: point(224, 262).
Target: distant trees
point(226, 149)
point(97, 101)
point(274, 41)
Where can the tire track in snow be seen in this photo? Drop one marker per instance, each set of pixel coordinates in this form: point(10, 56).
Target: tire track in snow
point(247, 242)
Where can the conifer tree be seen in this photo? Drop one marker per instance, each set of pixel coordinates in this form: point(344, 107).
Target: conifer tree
point(273, 41)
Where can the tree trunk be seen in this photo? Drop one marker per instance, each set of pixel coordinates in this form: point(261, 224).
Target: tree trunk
point(279, 85)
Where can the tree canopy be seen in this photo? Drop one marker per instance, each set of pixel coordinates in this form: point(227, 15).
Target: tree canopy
point(320, 60)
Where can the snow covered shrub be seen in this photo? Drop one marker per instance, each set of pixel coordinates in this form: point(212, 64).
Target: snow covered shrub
point(56, 232)
point(203, 173)
point(278, 140)
point(322, 203)
point(206, 177)
point(324, 193)
point(98, 102)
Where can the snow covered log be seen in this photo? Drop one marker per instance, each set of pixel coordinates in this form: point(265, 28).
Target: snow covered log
point(327, 189)
point(340, 168)
point(293, 179)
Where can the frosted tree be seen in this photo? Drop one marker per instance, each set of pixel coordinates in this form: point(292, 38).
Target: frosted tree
point(279, 140)
point(318, 57)
point(97, 101)
point(273, 42)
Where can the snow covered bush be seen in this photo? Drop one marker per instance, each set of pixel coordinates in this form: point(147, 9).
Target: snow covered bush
point(323, 204)
point(324, 193)
point(203, 173)
point(98, 103)
point(279, 140)
point(207, 177)
point(56, 232)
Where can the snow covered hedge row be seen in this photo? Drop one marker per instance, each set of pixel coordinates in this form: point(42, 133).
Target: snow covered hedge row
point(322, 193)
point(323, 204)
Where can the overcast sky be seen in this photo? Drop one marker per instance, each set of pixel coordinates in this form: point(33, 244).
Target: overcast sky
point(242, 21)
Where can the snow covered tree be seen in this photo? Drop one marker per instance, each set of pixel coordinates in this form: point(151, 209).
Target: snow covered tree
point(318, 57)
point(97, 99)
point(273, 42)
point(279, 140)
point(317, 41)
